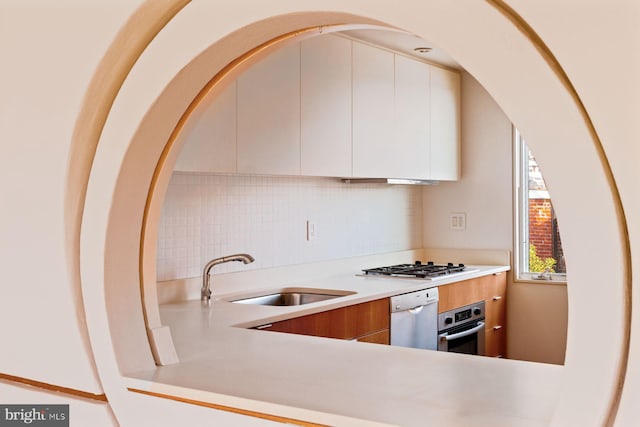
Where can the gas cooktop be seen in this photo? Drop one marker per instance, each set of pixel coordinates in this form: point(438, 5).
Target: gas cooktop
point(418, 270)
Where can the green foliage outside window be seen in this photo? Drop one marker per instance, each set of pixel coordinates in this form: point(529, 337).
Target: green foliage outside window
point(537, 264)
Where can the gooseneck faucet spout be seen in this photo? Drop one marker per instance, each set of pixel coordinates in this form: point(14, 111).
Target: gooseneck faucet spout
point(205, 292)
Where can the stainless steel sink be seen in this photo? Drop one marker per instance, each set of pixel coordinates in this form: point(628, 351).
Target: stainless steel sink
point(292, 297)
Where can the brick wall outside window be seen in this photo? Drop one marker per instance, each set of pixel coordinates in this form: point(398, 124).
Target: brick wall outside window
point(544, 233)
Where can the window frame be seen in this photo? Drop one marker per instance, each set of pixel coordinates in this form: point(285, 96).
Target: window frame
point(521, 217)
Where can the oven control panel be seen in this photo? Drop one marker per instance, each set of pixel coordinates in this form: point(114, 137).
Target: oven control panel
point(461, 315)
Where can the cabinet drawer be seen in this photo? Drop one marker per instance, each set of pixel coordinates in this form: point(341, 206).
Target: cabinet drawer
point(496, 284)
point(495, 341)
point(461, 293)
point(496, 300)
point(496, 310)
point(343, 323)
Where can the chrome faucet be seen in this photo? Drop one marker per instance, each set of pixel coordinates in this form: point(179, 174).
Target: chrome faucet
point(205, 292)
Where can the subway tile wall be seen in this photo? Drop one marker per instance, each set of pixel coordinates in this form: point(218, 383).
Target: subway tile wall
point(208, 216)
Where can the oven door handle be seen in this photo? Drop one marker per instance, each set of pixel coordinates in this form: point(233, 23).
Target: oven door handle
point(447, 337)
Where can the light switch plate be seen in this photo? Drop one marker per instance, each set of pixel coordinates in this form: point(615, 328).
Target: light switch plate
point(458, 221)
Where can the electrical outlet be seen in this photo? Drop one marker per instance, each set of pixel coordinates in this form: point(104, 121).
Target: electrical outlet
point(312, 230)
point(458, 221)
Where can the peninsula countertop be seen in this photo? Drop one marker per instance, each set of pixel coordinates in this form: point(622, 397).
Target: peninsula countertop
point(336, 382)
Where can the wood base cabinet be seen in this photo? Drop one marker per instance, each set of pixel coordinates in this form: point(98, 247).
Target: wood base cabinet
point(496, 315)
point(493, 290)
point(366, 322)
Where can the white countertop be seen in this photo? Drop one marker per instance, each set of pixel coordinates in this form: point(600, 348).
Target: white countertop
point(336, 382)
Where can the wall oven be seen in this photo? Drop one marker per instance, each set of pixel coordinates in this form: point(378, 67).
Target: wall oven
point(461, 330)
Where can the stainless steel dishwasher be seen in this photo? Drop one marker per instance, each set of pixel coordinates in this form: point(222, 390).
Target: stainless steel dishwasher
point(414, 319)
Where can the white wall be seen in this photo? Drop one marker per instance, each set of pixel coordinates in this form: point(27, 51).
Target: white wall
point(48, 58)
point(484, 190)
point(208, 216)
point(537, 314)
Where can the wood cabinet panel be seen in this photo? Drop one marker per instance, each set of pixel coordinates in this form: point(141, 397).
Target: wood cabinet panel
point(461, 293)
point(380, 337)
point(495, 311)
point(496, 315)
point(371, 316)
point(329, 324)
point(352, 322)
point(495, 341)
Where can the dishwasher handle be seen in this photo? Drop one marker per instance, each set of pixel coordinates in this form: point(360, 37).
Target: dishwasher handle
point(447, 337)
point(416, 310)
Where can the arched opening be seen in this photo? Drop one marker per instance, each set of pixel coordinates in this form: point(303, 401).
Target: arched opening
point(120, 270)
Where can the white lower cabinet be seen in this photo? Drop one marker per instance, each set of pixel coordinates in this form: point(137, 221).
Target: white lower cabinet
point(269, 115)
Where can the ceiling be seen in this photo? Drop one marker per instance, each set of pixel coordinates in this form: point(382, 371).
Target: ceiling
point(402, 42)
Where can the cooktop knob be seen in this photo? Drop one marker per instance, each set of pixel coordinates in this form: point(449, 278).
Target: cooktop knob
point(477, 311)
point(448, 320)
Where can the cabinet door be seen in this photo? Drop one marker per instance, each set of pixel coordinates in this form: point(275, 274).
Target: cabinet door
point(412, 100)
point(495, 342)
point(372, 316)
point(211, 142)
point(445, 124)
point(380, 337)
point(496, 315)
point(325, 106)
point(269, 115)
point(374, 150)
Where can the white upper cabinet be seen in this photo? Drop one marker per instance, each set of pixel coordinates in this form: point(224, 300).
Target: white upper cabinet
point(210, 144)
point(374, 149)
point(411, 140)
point(445, 124)
point(325, 106)
point(329, 106)
point(269, 115)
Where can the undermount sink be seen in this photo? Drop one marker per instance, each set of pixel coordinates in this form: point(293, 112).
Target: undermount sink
point(290, 297)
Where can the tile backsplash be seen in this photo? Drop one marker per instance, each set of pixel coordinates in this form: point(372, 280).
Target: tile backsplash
point(209, 216)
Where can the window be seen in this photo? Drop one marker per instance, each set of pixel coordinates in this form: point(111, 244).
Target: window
point(538, 248)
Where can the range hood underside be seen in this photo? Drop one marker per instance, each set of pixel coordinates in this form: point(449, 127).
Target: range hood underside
point(389, 181)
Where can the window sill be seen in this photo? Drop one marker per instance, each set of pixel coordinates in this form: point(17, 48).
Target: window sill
point(562, 281)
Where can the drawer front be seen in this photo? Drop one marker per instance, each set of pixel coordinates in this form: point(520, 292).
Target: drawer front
point(495, 341)
point(496, 310)
point(461, 293)
point(343, 323)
